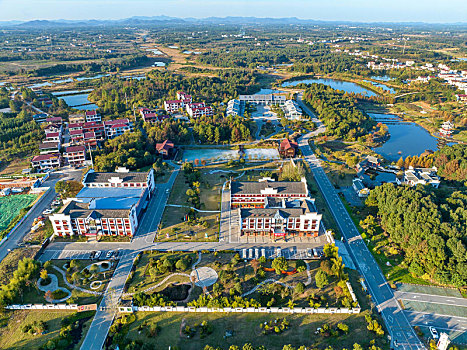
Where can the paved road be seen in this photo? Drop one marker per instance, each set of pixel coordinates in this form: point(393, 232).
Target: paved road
point(402, 334)
point(430, 298)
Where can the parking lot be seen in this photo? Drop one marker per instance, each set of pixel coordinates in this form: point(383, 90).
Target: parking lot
point(274, 252)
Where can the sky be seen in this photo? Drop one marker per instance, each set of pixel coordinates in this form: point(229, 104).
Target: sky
point(432, 11)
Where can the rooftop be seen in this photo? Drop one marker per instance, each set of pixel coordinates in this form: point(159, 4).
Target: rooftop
point(283, 187)
point(96, 177)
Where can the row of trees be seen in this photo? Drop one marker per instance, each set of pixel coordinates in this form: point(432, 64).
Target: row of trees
point(218, 129)
point(429, 226)
point(451, 162)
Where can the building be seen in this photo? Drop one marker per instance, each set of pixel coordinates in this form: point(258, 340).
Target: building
point(420, 176)
point(108, 205)
point(92, 116)
point(446, 129)
point(76, 136)
point(40, 117)
point(49, 147)
point(370, 162)
point(166, 148)
point(292, 110)
point(269, 99)
point(47, 161)
point(359, 188)
point(94, 127)
point(114, 128)
point(120, 179)
point(184, 97)
point(234, 108)
point(53, 128)
point(151, 116)
point(287, 148)
point(275, 209)
point(199, 109)
point(75, 155)
point(54, 120)
point(53, 137)
point(76, 118)
point(248, 194)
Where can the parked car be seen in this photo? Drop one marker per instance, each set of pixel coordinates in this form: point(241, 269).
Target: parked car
point(434, 332)
point(91, 256)
point(309, 253)
point(109, 254)
point(98, 254)
point(47, 211)
point(315, 253)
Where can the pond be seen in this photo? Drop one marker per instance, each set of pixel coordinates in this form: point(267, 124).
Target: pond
point(382, 86)
point(93, 77)
point(79, 101)
point(219, 154)
point(60, 81)
point(381, 77)
point(191, 52)
point(158, 64)
point(346, 86)
point(155, 51)
point(407, 139)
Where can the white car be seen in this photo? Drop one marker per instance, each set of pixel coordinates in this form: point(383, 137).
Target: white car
point(47, 211)
point(434, 332)
point(109, 254)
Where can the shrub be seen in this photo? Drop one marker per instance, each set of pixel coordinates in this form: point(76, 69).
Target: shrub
point(321, 279)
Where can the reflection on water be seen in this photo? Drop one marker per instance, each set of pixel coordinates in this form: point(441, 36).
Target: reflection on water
point(335, 84)
point(407, 138)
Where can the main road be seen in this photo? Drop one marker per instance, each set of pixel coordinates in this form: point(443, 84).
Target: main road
point(400, 330)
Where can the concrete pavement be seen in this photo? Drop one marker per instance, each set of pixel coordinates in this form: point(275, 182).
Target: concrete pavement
point(430, 298)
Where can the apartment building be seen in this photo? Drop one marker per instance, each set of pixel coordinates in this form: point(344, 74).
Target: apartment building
point(92, 116)
point(75, 155)
point(114, 128)
point(47, 161)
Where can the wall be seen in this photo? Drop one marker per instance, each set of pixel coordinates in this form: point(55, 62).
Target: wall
point(296, 310)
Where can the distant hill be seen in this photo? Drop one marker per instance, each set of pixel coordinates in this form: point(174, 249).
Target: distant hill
point(153, 20)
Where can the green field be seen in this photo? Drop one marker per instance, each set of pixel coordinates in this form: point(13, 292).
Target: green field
point(11, 206)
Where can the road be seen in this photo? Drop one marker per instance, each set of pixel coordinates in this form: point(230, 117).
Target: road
point(430, 298)
point(400, 330)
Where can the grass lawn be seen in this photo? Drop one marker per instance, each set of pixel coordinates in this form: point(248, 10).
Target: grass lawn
point(11, 336)
point(246, 329)
point(10, 207)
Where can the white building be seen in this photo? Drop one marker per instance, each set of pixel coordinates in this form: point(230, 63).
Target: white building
point(292, 110)
point(268, 99)
point(420, 176)
point(233, 107)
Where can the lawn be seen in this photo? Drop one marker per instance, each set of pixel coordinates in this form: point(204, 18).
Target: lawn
point(10, 207)
point(246, 329)
point(11, 336)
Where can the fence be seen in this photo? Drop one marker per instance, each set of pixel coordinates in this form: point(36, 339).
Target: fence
point(43, 307)
point(285, 310)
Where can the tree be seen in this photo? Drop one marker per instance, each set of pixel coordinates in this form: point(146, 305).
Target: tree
point(44, 275)
point(330, 250)
point(255, 264)
point(280, 264)
point(321, 279)
point(299, 288)
point(94, 269)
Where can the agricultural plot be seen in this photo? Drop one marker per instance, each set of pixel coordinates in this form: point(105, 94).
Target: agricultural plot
point(11, 206)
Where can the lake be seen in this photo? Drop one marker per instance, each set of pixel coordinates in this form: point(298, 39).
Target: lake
point(346, 86)
point(159, 64)
point(155, 51)
point(407, 138)
point(79, 101)
point(219, 154)
point(382, 86)
point(381, 77)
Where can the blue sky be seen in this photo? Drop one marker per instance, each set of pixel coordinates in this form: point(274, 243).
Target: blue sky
point(351, 10)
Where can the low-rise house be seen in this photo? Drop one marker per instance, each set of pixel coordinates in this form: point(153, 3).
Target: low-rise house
point(76, 118)
point(47, 161)
point(97, 128)
point(196, 110)
point(172, 106)
point(75, 155)
point(184, 97)
point(234, 108)
point(292, 110)
point(76, 136)
point(359, 188)
point(53, 128)
point(75, 126)
point(49, 147)
point(53, 137)
point(287, 148)
point(93, 116)
point(54, 120)
point(446, 129)
point(114, 128)
point(166, 148)
point(420, 176)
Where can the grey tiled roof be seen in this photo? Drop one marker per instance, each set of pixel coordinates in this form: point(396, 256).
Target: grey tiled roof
point(105, 177)
point(282, 187)
point(78, 210)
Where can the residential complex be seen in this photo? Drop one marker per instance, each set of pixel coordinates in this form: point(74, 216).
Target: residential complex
point(109, 204)
point(268, 99)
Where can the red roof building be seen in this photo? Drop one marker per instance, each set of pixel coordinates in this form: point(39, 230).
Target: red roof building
point(47, 161)
point(287, 148)
point(75, 155)
point(165, 148)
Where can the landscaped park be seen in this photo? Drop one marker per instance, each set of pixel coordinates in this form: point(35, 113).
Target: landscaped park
point(224, 280)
